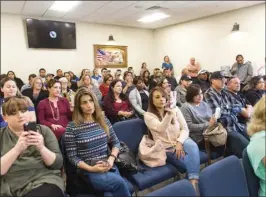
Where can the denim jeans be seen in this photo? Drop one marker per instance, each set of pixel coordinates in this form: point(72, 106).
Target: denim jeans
point(108, 182)
point(191, 161)
point(236, 143)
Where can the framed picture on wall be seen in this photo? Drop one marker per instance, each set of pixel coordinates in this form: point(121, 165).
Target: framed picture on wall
point(110, 56)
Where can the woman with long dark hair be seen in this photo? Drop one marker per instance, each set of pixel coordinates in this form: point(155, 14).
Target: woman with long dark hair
point(169, 126)
point(255, 90)
point(116, 104)
point(86, 142)
point(19, 82)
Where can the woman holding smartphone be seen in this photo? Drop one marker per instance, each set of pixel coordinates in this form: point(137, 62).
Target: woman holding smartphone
point(169, 126)
point(30, 160)
point(86, 142)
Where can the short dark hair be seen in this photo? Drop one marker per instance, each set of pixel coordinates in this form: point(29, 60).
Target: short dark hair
point(42, 69)
point(192, 91)
point(103, 69)
point(32, 76)
point(126, 73)
point(137, 79)
point(51, 83)
point(239, 55)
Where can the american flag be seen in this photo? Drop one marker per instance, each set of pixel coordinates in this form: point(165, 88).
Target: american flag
point(100, 54)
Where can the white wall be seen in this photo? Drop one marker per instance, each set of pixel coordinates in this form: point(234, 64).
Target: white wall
point(16, 56)
point(209, 39)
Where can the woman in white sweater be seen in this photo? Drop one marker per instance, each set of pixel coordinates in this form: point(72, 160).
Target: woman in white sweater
point(170, 127)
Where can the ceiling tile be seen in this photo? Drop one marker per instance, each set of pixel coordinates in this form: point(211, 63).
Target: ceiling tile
point(12, 7)
point(52, 13)
point(87, 7)
point(36, 8)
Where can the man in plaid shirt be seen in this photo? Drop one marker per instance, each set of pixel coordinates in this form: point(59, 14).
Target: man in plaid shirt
point(217, 97)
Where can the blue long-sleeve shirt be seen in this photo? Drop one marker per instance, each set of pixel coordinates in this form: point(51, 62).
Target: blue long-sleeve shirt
point(88, 141)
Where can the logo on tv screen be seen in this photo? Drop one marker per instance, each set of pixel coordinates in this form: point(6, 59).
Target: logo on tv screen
point(52, 34)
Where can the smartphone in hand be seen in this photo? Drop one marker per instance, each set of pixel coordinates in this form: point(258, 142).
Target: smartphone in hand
point(217, 113)
point(30, 126)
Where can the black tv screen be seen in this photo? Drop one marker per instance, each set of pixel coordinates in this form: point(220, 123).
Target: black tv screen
point(51, 34)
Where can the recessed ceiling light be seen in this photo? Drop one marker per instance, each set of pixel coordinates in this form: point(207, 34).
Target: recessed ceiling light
point(153, 17)
point(64, 6)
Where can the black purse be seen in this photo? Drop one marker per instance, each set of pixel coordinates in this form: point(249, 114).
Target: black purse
point(127, 161)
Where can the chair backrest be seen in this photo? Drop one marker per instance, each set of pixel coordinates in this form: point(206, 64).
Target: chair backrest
point(131, 132)
point(74, 184)
point(252, 179)
point(223, 178)
point(179, 188)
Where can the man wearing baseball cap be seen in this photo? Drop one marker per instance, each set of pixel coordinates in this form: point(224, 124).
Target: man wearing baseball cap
point(202, 80)
point(181, 90)
point(219, 100)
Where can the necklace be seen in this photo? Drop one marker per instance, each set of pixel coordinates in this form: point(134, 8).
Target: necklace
point(57, 112)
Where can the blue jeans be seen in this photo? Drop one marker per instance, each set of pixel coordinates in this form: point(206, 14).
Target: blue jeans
point(236, 143)
point(191, 161)
point(108, 182)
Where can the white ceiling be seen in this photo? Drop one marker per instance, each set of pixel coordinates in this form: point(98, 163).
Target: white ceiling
point(125, 13)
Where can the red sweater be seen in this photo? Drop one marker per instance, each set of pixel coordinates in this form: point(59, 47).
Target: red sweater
point(104, 89)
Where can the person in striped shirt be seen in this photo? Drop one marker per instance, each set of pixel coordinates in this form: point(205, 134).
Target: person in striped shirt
point(86, 140)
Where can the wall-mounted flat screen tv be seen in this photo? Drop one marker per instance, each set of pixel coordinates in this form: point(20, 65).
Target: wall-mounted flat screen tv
point(50, 34)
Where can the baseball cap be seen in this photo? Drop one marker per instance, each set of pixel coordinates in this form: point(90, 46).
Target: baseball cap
point(50, 74)
point(217, 75)
point(202, 71)
point(186, 78)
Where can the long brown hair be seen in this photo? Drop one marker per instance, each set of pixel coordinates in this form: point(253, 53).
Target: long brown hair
point(78, 116)
point(152, 108)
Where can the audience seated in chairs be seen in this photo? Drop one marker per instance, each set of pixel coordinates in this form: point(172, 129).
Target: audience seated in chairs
point(171, 80)
point(256, 147)
point(254, 90)
point(217, 97)
point(139, 97)
point(181, 90)
point(54, 111)
point(28, 85)
point(233, 89)
point(73, 76)
point(146, 79)
point(59, 74)
point(30, 160)
point(169, 126)
point(86, 143)
point(193, 68)
point(155, 78)
point(72, 85)
point(127, 84)
point(19, 82)
point(116, 105)
point(36, 92)
point(10, 89)
point(199, 117)
point(104, 87)
point(143, 69)
point(203, 80)
point(86, 81)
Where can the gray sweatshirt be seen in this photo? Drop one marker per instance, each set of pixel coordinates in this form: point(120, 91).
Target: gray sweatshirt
point(181, 93)
point(197, 118)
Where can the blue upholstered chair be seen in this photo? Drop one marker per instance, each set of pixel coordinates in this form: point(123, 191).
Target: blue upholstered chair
point(252, 179)
point(223, 178)
point(179, 188)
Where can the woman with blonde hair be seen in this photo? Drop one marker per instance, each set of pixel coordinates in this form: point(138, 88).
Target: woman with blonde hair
point(86, 81)
point(256, 148)
point(86, 141)
point(36, 92)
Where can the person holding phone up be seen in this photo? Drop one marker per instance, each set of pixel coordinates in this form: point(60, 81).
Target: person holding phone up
point(30, 160)
point(169, 126)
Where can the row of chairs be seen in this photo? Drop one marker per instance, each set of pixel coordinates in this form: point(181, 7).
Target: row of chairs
point(130, 132)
